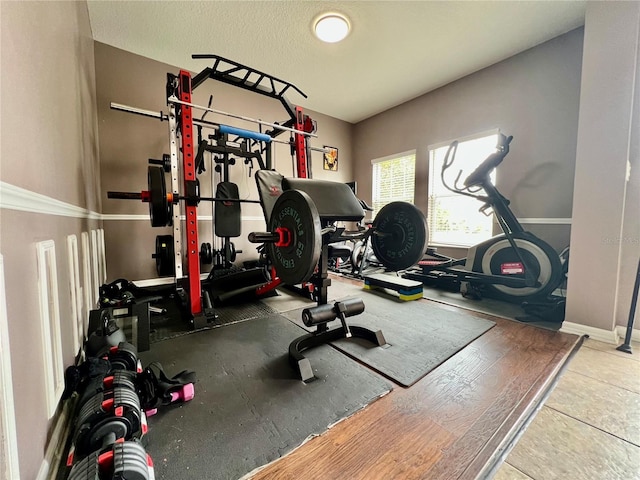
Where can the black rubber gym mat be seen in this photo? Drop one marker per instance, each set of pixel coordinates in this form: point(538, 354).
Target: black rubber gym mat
point(172, 324)
point(250, 408)
point(421, 335)
point(490, 306)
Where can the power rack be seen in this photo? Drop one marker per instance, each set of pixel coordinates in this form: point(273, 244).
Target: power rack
point(182, 141)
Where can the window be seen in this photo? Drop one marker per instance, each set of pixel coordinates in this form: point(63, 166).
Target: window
point(393, 179)
point(454, 219)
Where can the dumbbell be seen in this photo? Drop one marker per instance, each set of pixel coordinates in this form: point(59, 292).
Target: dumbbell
point(107, 382)
point(106, 335)
point(125, 460)
point(89, 378)
point(123, 356)
point(183, 393)
point(106, 418)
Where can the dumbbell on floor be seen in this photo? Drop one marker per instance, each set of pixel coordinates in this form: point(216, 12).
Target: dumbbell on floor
point(127, 460)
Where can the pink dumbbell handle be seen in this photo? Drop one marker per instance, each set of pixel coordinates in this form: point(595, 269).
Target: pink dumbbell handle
point(185, 394)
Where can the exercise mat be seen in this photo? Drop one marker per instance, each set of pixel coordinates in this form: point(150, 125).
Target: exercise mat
point(172, 323)
point(490, 306)
point(250, 407)
point(420, 335)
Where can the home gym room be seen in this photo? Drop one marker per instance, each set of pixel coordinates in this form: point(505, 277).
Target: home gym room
point(321, 333)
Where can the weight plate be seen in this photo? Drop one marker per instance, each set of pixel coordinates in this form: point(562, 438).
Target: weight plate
point(400, 235)
point(93, 439)
point(206, 254)
point(165, 258)
point(295, 211)
point(230, 252)
point(159, 210)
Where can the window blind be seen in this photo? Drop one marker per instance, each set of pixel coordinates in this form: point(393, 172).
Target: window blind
point(393, 179)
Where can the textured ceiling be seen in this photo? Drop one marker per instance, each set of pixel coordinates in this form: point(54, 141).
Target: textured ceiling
point(396, 51)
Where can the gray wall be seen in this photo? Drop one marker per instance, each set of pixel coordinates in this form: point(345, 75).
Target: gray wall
point(127, 141)
point(605, 241)
point(533, 96)
point(49, 141)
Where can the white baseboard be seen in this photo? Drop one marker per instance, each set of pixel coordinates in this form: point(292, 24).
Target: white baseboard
point(600, 334)
point(55, 447)
point(622, 332)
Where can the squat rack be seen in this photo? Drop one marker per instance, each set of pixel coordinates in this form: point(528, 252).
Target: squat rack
point(181, 138)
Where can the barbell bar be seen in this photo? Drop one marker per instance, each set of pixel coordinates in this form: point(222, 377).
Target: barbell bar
point(160, 201)
point(145, 196)
point(203, 123)
point(399, 236)
point(174, 99)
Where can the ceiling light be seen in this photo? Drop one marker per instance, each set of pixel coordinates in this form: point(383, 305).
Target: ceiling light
point(332, 27)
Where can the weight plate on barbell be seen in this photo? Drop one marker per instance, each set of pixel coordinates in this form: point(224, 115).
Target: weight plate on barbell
point(159, 209)
point(400, 235)
point(295, 211)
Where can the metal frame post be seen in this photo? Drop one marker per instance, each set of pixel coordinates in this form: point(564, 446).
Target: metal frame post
point(175, 188)
point(300, 145)
point(191, 214)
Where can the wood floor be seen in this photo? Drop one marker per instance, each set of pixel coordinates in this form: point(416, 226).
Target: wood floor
point(457, 422)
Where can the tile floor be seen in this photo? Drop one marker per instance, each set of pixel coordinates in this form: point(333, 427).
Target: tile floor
point(589, 428)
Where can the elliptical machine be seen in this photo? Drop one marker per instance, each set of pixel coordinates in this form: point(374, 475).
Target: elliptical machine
point(515, 266)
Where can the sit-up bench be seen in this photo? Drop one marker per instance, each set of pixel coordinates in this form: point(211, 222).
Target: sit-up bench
point(335, 202)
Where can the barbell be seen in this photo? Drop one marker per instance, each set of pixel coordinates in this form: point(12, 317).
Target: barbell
point(214, 125)
point(161, 201)
point(398, 234)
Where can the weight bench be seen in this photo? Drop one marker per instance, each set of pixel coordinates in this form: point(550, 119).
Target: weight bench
point(334, 201)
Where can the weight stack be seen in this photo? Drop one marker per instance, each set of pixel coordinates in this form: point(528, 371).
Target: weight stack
point(227, 214)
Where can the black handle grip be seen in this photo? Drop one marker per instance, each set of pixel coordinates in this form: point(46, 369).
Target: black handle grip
point(328, 313)
point(490, 163)
point(263, 237)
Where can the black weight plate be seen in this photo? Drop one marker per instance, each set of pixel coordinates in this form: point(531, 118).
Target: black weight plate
point(295, 211)
point(206, 254)
point(230, 252)
point(400, 235)
point(159, 210)
point(165, 258)
point(130, 461)
point(118, 426)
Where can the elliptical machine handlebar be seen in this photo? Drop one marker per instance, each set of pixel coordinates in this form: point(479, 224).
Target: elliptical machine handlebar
point(478, 176)
point(491, 162)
